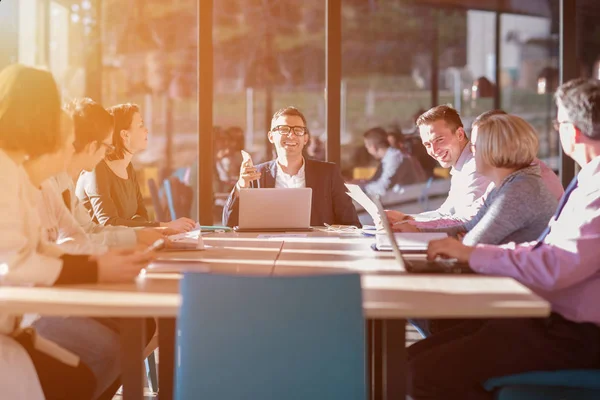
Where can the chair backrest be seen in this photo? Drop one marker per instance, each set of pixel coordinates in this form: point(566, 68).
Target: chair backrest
point(159, 210)
point(271, 338)
point(179, 197)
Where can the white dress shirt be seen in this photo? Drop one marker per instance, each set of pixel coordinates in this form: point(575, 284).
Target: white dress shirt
point(283, 180)
point(467, 186)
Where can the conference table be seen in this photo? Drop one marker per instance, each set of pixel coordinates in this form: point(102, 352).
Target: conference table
point(390, 297)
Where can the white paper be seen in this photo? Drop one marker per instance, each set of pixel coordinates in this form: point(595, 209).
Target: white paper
point(357, 194)
point(246, 157)
point(282, 235)
point(416, 241)
point(187, 240)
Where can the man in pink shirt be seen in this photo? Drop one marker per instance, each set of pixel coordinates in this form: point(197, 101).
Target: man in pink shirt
point(561, 266)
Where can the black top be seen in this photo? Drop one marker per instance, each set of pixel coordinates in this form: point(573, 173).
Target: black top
point(112, 200)
point(330, 203)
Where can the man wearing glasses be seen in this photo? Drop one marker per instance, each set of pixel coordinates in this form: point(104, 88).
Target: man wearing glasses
point(289, 135)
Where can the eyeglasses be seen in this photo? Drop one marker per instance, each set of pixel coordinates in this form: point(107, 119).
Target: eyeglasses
point(286, 129)
point(109, 147)
point(556, 123)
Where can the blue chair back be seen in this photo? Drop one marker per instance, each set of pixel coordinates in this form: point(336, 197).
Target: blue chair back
point(179, 197)
point(159, 211)
point(583, 384)
point(292, 338)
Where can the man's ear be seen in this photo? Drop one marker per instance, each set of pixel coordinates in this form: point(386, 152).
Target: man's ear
point(124, 134)
point(460, 132)
point(270, 136)
point(578, 136)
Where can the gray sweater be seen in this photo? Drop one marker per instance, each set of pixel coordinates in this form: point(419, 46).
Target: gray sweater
point(518, 210)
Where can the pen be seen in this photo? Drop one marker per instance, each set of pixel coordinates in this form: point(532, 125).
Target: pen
point(401, 222)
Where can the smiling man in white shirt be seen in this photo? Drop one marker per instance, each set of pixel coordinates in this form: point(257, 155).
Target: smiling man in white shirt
point(445, 140)
point(289, 134)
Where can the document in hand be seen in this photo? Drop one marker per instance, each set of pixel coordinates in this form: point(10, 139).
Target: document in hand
point(408, 241)
point(357, 194)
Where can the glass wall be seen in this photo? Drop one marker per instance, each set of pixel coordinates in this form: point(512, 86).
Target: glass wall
point(268, 55)
point(529, 75)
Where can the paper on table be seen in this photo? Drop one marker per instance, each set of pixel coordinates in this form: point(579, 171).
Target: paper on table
point(357, 194)
point(282, 235)
point(416, 241)
point(188, 240)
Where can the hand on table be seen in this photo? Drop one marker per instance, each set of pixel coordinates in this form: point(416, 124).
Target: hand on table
point(121, 265)
point(147, 236)
point(397, 216)
point(180, 225)
point(405, 226)
point(449, 248)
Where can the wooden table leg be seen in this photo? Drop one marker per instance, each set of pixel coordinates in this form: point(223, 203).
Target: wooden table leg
point(166, 359)
point(132, 353)
point(394, 359)
point(386, 359)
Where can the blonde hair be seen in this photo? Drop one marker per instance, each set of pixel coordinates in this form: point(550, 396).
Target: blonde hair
point(29, 111)
point(506, 141)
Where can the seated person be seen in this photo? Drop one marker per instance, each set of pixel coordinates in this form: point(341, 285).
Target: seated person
point(289, 134)
point(31, 128)
point(468, 188)
point(395, 167)
point(520, 204)
point(548, 176)
point(444, 137)
point(111, 192)
point(561, 266)
point(93, 134)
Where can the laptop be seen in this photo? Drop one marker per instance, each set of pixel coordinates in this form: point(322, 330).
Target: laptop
point(274, 210)
point(440, 266)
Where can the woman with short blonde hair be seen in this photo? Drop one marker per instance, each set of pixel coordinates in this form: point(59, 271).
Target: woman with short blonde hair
point(519, 206)
point(506, 141)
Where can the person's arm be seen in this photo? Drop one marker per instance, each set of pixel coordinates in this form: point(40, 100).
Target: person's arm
point(102, 235)
point(380, 184)
point(96, 185)
point(343, 208)
point(25, 258)
point(507, 211)
point(462, 204)
point(71, 237)
point(567, 256)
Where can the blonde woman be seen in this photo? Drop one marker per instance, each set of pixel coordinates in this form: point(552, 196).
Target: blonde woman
point(520, 205)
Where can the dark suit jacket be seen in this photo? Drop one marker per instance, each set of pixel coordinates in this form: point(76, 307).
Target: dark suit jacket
point(330, 203)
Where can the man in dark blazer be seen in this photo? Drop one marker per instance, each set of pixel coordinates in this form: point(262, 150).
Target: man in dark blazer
point(289, 135)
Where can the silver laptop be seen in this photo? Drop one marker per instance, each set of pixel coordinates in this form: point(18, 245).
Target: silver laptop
point(274, 210)
point(419, 266)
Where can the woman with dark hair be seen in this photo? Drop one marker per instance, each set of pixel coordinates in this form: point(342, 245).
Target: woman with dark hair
point(111, 192)
point(32, 130)
point(73, 225)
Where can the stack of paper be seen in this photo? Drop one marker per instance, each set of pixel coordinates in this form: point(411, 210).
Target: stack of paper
point(186, 241)
point(408, 241)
